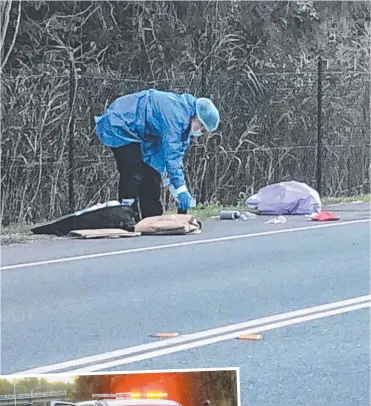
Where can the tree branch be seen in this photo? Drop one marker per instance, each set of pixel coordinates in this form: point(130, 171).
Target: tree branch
point(5, 9)
point(14, 36)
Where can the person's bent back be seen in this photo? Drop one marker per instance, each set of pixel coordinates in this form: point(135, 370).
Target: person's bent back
point(149, 132)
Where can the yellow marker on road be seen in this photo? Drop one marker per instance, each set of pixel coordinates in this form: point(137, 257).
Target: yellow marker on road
point(251, 337)
point(165, 335)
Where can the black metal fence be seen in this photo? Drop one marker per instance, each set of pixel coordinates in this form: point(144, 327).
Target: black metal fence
point(311, 126)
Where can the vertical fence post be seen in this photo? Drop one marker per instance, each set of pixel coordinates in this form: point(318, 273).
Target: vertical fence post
point(71, 142)
point(319, 130)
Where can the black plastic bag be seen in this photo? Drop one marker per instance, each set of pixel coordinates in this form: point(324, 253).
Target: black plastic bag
point(123, 217)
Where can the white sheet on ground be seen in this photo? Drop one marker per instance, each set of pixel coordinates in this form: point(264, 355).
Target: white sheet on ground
point(285, 198)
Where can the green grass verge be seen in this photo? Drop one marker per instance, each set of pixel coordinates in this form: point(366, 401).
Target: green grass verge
point(204, 212)
point(18, 233)
point(348, 199)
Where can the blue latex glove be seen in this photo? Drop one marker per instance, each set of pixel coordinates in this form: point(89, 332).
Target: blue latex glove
point(184, 201)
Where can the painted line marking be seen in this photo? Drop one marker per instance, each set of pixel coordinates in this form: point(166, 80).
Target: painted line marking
point(202, 343)
point(180, 244)
point(235, 329)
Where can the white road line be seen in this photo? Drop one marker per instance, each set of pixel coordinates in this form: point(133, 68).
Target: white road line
point(197, 336)
point(180, 244)
point(202, 343)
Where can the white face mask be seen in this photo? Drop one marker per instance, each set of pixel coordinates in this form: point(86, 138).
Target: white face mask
point(196, 128)
point(197, 133)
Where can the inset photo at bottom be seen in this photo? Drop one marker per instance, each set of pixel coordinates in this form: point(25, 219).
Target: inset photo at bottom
point(207, 387)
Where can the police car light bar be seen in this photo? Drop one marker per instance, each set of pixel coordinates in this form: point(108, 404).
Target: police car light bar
point(130, 395)
point(103, 395)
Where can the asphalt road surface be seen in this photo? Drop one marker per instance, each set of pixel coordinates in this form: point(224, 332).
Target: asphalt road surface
point(71, 305)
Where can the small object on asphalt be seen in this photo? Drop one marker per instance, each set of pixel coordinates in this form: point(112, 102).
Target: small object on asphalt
point(103, 233)
point(246, 215)
point(206, 403)
point(251, 337)
point(229, 215)
point(165, 335)
point(324, 216)
point(214, 217)
point(277, 220)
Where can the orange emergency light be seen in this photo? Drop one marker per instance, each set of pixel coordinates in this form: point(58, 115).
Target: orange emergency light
point(131, 395)
point(156, 395)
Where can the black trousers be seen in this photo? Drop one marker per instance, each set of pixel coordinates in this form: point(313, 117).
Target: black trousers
point(138, 180)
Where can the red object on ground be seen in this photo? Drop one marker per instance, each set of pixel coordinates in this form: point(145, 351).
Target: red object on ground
point(325, 216)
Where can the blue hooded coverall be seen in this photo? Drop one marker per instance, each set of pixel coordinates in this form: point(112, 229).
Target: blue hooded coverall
point(149, 132)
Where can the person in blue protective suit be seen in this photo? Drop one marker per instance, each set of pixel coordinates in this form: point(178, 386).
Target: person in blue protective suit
point(149, 132)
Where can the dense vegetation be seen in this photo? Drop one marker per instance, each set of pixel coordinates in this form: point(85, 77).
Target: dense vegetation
point(26, 385)
point(63, 62)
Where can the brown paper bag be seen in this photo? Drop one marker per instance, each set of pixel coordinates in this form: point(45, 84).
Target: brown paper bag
point(169, 224)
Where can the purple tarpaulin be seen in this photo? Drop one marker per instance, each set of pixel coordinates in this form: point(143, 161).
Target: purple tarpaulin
point(285, 198)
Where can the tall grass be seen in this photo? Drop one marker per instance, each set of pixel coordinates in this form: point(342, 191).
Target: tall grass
point(71, 59)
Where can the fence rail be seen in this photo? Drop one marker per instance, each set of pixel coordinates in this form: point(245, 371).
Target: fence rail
point(34, 395)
